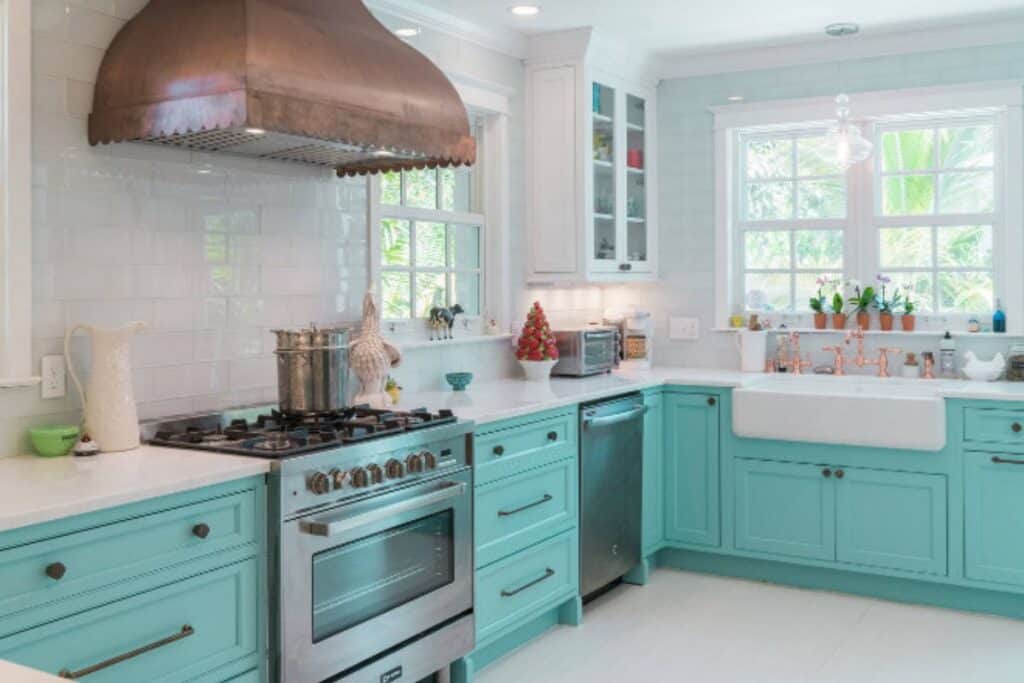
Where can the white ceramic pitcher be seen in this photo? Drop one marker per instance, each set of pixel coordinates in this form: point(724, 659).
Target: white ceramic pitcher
point(753, 348)
point(111, 418)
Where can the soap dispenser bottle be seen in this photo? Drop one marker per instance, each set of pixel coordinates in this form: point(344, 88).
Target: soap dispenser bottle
point(947, 356)
point(999, 318)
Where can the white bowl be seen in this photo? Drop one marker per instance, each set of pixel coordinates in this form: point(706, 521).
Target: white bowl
point(537, 370)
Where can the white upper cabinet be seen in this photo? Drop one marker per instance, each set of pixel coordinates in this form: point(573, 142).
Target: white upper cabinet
point(592, 200)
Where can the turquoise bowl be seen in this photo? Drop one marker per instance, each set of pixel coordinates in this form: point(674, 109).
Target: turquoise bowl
point(459, 380)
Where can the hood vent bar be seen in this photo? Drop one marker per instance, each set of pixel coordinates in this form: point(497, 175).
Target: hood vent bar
point(312, 81)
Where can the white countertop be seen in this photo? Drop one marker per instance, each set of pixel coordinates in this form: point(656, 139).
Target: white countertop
point(34, 489)
point(14, 673)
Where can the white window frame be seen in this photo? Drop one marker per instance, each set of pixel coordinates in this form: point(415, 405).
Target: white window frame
point(16, 194)
point(1002, 98)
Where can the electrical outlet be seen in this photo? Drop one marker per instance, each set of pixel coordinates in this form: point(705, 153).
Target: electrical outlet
point(684, 329)
point(54, 377)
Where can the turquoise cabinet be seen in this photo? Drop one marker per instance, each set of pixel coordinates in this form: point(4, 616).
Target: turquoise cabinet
point(994, 517)
point(692, 468)
point(895, 520)
point(785, 509)
point(653, 531)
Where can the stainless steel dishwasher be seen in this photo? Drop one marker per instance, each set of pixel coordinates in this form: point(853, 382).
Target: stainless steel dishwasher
point(611, 481)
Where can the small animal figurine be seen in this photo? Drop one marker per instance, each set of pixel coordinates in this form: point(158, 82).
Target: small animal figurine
point(442, 320)
point(984, 371)
point(371, 357)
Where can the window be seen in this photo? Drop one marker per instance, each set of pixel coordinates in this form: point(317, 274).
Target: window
point(927, 210)
point(431, 232)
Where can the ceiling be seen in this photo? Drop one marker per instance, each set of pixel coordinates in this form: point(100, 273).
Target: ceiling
point(679, 26)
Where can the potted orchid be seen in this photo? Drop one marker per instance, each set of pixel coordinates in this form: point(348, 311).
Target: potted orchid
point(862, 300)
point(885, 303)
point(818, 304)
point(838, 316)
point(908, 320)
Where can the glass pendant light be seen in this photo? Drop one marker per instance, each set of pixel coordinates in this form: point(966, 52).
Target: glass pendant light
point(848, 145)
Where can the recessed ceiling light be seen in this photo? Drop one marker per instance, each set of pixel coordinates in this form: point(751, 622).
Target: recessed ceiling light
point(407, 32)
point(735, 98)
point(255, 131)
point(841, 29)
point(525, 10)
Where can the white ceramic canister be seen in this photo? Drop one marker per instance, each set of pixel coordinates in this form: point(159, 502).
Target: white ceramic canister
point(753, 348)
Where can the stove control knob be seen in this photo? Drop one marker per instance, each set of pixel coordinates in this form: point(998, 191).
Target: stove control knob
point(429, 459)
point(376, 474)
point(319, 483)
point(414, 463)
point(337, 478)
point(394, 469)
point(359, 477)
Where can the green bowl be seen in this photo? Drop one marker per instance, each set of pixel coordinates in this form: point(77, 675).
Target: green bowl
point(53, 441)
point(459, 380)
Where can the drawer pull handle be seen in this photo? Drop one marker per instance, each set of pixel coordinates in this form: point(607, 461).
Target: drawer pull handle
point(185, 632)
point(840, 474)
point(711, 401)
point(508, 513)
point(201, 530)
point(547, 575)
point(1016, 427)
point(552, 436)
point(56, 571)
point(1003, 461)
point(826, 473)
point(499, 450)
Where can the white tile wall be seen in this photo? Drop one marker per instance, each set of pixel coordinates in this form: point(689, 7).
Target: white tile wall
point(211, 251)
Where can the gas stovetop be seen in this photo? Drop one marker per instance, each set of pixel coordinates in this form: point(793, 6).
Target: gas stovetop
point(268, 433)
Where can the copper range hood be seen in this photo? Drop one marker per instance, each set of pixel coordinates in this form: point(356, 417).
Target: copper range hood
point(312, 81)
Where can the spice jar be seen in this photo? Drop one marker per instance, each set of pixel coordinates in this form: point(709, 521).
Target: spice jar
point(1015, 364)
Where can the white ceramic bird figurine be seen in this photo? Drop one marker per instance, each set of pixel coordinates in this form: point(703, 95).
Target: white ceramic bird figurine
point(983, 370)
point(372, 357)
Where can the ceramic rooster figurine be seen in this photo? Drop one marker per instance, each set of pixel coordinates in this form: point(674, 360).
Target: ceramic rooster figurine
point(983, 371)
point(372, 357)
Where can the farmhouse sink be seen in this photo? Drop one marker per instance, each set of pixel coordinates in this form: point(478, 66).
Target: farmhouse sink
point(852, 411)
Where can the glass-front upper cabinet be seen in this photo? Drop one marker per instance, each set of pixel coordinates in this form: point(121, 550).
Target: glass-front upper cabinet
point(620, 235)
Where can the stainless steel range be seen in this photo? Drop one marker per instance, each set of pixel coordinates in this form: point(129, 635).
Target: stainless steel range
point(370, 533)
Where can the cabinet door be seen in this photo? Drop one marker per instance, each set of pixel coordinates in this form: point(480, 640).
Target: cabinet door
point(895, 520)
point(653, 503)
point(785, 509)
point(994, 517)
point(637, 182)
point(606, 249)
point(691, 469)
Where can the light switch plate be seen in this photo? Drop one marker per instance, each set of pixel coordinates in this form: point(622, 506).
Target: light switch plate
point(54, 377)
point(684, 329)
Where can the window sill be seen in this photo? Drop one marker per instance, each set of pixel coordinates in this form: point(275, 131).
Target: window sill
point(880, 333)
point(412, 344)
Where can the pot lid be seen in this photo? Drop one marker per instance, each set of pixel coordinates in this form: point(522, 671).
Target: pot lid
point(312, 81)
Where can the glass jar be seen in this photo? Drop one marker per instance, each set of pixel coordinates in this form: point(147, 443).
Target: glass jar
point(1015, 364)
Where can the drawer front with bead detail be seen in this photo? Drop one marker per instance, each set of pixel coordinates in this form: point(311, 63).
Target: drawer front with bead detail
point(514, 446)
point(53, 569)
point(994, 426)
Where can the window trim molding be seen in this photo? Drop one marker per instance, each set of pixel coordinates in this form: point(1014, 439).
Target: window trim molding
point(16, 195)
point(1006, 97)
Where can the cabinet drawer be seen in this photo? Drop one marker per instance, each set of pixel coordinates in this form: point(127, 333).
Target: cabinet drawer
point(526, 584)
point(515, 513)
point(171, 634)
point(513, 449)
point(55, 568)
point(989, 425)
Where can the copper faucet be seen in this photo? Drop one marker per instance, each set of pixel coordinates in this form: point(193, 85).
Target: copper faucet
point(839, 366)
point(794, 363)
point(883, 353)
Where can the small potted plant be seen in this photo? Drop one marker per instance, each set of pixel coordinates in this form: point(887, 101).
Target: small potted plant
point(537, 351)
point(908, 320)
point(862, 300)
point(818, 305)
point(838, 316)
point(885, 304)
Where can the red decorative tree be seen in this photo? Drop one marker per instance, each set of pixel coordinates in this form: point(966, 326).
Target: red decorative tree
point(536, 342)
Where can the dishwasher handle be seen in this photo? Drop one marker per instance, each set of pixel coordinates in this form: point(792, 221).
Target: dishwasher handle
point(608, 420)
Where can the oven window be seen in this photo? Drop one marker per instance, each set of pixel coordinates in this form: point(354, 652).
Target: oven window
point(598, 351)
point(362, 579)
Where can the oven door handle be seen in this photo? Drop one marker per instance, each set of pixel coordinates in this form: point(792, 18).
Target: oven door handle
point(339, 524)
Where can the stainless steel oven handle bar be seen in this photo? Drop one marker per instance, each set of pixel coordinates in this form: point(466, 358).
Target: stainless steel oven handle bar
point(339, 524)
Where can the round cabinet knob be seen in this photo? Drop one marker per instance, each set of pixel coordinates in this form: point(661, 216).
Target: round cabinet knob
point(394, 469)
point(359, 477)
point(552, 436)
point(826, 473)
point(840, 474)
point(711, 401)
point(319, 483)
point(201, 530)
point(337, 478)
point(429, 459)
point(376, 473)
point(1016, 427)
point(499, 450)
point(56, 571)
point(414, 463)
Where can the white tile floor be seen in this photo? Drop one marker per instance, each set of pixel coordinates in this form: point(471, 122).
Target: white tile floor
point(706, 629)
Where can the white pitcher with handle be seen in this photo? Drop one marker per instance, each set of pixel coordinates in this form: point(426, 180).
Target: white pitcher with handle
point(110, 416)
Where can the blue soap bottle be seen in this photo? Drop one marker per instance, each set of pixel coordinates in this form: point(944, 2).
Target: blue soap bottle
point(998, 319)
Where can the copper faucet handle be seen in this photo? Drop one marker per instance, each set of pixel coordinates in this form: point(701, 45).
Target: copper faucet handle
point(889, 349)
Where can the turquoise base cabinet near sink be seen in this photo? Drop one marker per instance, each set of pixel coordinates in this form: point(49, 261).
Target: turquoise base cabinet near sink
point(170, 589)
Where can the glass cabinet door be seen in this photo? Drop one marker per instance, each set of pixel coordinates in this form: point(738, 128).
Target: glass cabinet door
point(636, 182)
point(605, 235)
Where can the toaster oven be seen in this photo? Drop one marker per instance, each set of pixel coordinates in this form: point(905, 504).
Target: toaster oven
point(586, 351)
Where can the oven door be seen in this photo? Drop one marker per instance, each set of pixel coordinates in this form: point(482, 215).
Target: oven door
point(364, 577)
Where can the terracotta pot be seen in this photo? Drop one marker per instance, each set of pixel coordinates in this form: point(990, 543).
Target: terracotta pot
point(838, 321)
point(864, 320)
point(820, 320)
point(885, 321)
point(908, 322)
